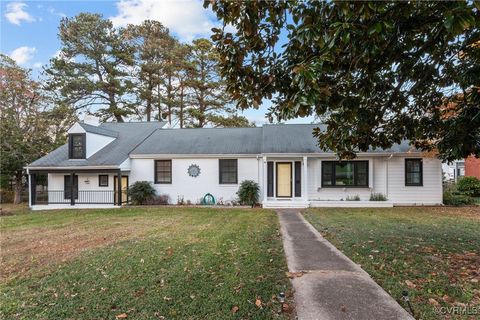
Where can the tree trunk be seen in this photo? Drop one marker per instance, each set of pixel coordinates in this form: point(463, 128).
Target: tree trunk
point(180, 115)
point(18, 187)
point(169, 100)
point(148, 109)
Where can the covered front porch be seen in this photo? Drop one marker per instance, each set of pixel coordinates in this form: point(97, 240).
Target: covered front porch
point(80, 188)
point(285, 182)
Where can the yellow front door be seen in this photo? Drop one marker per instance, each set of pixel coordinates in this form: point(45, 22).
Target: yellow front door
point(284, 179)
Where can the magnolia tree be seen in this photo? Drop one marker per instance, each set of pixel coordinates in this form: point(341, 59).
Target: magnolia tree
point(375, 72)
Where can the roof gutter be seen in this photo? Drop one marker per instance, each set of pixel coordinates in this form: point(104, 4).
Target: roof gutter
point(73, 168)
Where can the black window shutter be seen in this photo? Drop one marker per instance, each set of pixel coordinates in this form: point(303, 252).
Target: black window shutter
point(270, 179)
point(298, 179)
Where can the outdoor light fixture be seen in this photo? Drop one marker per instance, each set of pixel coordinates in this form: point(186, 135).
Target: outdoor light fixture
point(87, 181)
point(281, 297)
point(407, 300)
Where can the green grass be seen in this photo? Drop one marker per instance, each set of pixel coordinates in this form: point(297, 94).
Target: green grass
point(434, 253)
point(177, 263)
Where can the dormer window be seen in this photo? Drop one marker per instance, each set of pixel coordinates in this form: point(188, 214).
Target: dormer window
point(76, 146)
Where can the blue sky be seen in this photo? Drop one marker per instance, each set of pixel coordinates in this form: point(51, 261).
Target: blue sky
point(28, 29)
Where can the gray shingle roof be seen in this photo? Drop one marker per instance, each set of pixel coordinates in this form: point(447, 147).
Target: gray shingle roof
point(128, 136)
point(99, 130)
point(203, 141)
point(144, 138)
point(298, 138)
point(281, 138)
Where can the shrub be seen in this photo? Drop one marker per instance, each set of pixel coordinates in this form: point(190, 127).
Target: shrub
point(377, 197)
point(159, 200)
point(180, 201)
point(469, 185)
point(353, 198)
point(141, 192)
point(456, 199)
point(248, 193)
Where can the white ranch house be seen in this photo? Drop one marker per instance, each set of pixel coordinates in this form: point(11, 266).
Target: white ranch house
point(100, 160)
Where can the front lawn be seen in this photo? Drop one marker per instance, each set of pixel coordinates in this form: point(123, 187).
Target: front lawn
point(434, 253)
point(142, 263)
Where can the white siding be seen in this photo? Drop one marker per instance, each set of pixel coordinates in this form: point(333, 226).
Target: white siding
point(194, 188)
point(429, 193)
point(397, 192)
point(56, 188)
point(316, 192)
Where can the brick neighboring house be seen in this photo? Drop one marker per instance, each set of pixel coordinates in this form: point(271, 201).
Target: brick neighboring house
point(472, 167)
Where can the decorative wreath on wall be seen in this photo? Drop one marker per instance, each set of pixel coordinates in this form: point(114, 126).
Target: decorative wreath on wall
point(193, 171)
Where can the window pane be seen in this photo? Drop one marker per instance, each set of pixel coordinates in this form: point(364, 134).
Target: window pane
point(163, 171)
point(326, 173)
point(362, 173)
point(103, 180)
point(228, 170)
point(344, 174)
point(413, 177)
point(413, 171)
point(77, 146)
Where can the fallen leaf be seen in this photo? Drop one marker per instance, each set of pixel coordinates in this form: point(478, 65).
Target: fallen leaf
point(169, 251)
point(121, 316)
point(410, 284)
point(292, 275)
point(258, 303)
point(235, 309)
point(286, 308)
point(343, 308)
point(433, 302)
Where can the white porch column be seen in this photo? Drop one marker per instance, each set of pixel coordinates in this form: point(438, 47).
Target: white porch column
point(305, 180)
point(265, 182)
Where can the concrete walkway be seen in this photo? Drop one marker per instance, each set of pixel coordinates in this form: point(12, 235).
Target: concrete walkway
point(332, 286)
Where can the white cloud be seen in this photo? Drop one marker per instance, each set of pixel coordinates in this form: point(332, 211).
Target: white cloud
point(54, 12)
point(37, 65)
point(23, 54)
point(187, 18)
point(16, 13)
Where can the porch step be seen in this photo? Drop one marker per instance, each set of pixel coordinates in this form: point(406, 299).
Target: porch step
point(284, 204)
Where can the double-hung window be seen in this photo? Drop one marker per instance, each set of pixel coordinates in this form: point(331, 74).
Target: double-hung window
point(413, 172)
point(163, 171)
point(228, 171)
point(344, 173)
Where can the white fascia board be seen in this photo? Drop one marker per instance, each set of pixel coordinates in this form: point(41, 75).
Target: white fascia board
point(190, 156)
point(74, 168)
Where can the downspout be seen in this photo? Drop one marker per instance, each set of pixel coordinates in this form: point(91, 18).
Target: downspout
point(386, 174)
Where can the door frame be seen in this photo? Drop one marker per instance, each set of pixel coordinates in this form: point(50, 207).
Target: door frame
point(115, 184)
point(276, 179)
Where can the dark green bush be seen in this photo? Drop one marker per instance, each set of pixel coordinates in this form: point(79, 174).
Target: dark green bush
point(248, 193)
point(456, 199)
point(141, 192)
point(469, 185)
